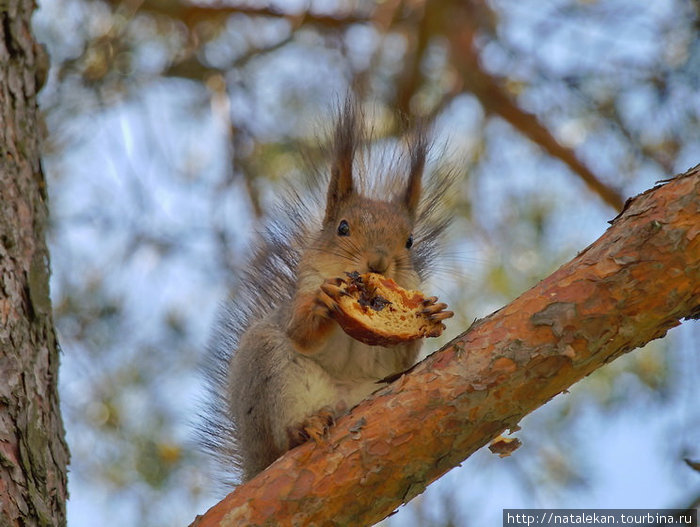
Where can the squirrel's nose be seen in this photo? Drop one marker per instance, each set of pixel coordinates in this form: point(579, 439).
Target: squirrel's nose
point(378, 262)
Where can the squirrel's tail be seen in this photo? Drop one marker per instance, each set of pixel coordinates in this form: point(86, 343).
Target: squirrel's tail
point(267, 282)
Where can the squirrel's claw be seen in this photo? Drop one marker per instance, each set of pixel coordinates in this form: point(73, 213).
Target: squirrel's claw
point(430, 300)
point(442, 315)
point(313, 427)
point(329, 291)
point(331, 287)
point(317, 425)
point(325, 303)
point(434, 310)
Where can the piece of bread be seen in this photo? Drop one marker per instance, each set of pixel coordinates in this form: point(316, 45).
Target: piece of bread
point(377, 311)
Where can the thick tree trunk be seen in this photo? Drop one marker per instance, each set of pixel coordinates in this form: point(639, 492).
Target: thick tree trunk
point(629, 287)
point(33, 454)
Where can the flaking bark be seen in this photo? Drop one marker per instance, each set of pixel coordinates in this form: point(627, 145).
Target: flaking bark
point(629, 287)
point(33, 454)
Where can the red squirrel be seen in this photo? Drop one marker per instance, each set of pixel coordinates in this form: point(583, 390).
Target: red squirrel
point(281, 369)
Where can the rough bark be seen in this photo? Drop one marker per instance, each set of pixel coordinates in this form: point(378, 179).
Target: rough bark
point(33, 454)
point(629, 287)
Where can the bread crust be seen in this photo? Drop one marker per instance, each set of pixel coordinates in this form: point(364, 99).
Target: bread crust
point(377, 311)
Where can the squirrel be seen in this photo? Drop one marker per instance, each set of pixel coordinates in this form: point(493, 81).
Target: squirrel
point(281, 369)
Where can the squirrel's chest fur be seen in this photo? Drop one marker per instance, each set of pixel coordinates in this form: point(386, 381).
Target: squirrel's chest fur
point(343, 373)
point(350, 361)
point(338, 376)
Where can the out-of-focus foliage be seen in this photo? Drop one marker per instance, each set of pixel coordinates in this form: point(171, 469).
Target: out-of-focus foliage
point(172, 124)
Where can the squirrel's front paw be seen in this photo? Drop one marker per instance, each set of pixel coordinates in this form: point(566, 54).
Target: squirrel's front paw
point(434, 310)
point(325, 298)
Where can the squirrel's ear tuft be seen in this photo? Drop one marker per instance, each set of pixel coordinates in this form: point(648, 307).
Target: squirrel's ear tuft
point(344, 146)
point(418, 146)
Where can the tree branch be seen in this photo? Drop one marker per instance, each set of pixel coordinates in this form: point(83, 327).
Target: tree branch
point(460, 32)
point(496, 101)
point(629, 287)
point(191, 14)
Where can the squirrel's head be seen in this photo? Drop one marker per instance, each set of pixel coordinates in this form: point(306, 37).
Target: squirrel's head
point(363, 234)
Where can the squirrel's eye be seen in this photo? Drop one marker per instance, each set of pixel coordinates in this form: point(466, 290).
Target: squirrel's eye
point(343, 228)
point(409, 242)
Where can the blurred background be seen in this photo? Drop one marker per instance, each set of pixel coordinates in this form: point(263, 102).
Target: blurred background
point(171, 126)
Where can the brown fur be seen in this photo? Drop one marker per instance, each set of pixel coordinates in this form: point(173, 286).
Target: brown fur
point(281, 369)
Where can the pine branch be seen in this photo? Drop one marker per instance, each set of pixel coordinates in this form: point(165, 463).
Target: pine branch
point(191, 14)
point(460, 29)
point(629, 287)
